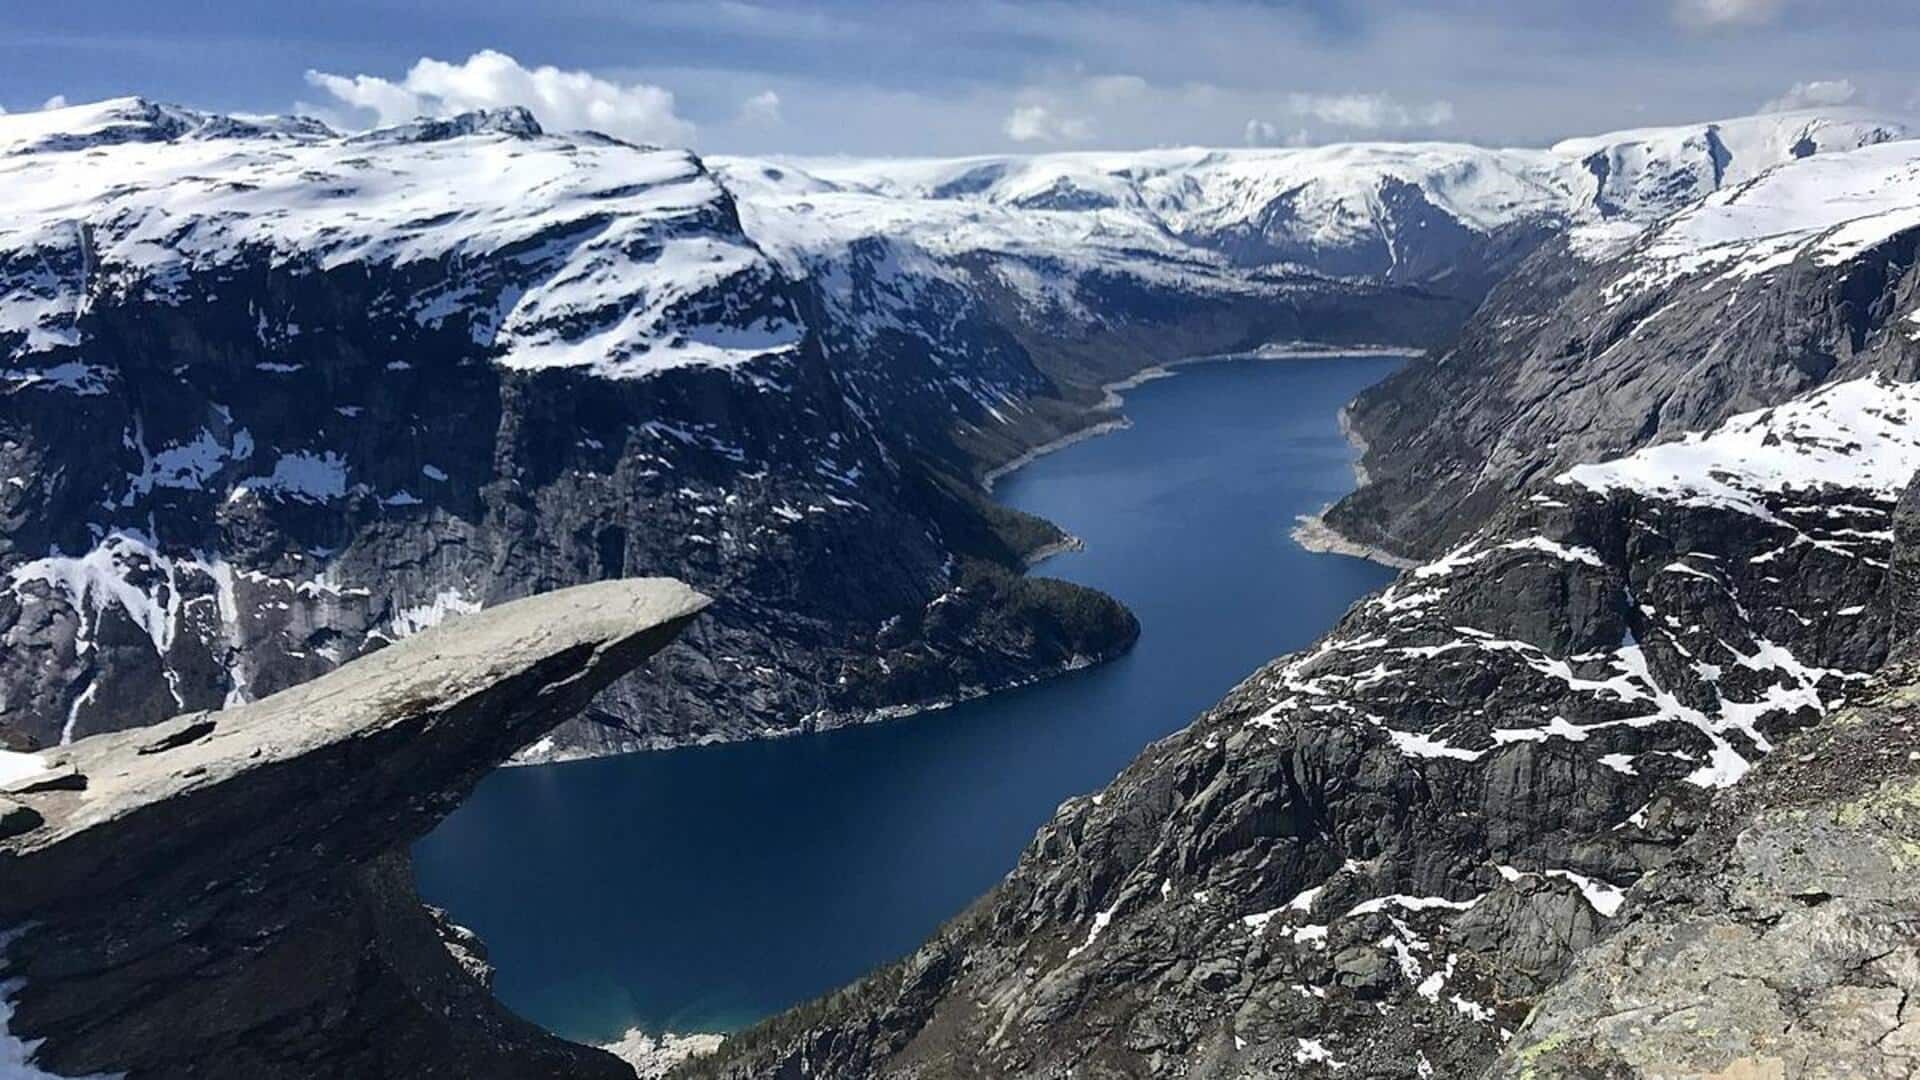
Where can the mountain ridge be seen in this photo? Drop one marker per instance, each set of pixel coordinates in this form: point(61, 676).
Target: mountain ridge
point(1656, 545)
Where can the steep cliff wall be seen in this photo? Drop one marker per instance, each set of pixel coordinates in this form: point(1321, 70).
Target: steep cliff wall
point(1606, 342)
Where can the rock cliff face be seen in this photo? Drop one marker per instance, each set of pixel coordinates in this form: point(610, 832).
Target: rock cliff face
point(1793, 908)
point(1376, 855)
point(1780, 941)
point(1606, 341)
point(229, 893)
point(275, 396)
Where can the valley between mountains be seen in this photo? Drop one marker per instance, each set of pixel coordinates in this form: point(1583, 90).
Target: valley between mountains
point(279, 402)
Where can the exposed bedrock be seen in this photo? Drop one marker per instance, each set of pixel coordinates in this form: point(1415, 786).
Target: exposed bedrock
point(1783, 939)
point(1577, 359)
point(229, 893)
point(1374, 856)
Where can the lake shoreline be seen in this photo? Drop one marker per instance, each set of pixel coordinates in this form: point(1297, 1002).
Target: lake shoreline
point(1111, 396)
point(754, 852)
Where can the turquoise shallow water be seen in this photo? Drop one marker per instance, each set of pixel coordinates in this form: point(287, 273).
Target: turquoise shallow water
point(701, 889)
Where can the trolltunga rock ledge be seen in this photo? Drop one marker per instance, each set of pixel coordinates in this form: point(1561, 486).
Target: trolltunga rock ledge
point(229, 893)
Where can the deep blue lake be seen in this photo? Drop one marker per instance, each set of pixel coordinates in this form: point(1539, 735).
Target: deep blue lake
point(702, 889)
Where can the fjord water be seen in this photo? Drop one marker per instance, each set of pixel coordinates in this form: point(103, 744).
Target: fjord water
point(702, 889)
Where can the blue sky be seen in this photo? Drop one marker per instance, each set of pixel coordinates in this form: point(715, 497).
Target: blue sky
point(916, 77)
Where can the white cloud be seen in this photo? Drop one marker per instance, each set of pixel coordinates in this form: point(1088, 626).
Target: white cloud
point(560, 100)
point(57, 101)
point(1711, 13)
point(1113, 89)
point(1037, 123)
point(1266, 133)
point(1812, 95)
point(1369, 112)
point(762, 108)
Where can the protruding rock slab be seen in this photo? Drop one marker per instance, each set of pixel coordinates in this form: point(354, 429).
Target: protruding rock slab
point(229, 893)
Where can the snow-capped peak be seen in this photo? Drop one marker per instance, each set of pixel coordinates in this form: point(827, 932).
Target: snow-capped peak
point(1398, 210)
point(512, 120)
point(554, 250)
point(1831, 207)
point(138, 120)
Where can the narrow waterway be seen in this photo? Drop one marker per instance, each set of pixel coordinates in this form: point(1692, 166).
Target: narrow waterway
point(701, 889)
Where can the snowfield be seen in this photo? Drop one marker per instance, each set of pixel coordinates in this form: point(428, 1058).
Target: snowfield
point(1856, 436)
point(1827, 208)
point(15, 767)
point(1206, 213)
point(584, 251)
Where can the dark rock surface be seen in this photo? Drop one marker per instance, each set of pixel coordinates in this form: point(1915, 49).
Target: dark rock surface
point(1376, 855)
point(229, 894)
point(1782, 940)
point(1571, 361)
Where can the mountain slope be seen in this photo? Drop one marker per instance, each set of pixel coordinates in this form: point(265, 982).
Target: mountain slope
point(275, 396)
point(1801, 276)
point(1377, 853)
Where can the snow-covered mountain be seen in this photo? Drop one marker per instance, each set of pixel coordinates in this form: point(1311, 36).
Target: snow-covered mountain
point(568, 251)
point(1403, 212)
point(1758, 294)
point(274, 394)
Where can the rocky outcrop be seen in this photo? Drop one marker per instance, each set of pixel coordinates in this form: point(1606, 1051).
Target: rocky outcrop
point(229, 893)
point(1782, 940)
point(1373, 857)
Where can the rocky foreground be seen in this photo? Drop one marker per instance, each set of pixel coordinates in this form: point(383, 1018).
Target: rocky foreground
point(230, 893)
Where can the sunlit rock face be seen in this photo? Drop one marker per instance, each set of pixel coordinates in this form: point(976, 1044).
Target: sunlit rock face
point(229, 893)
